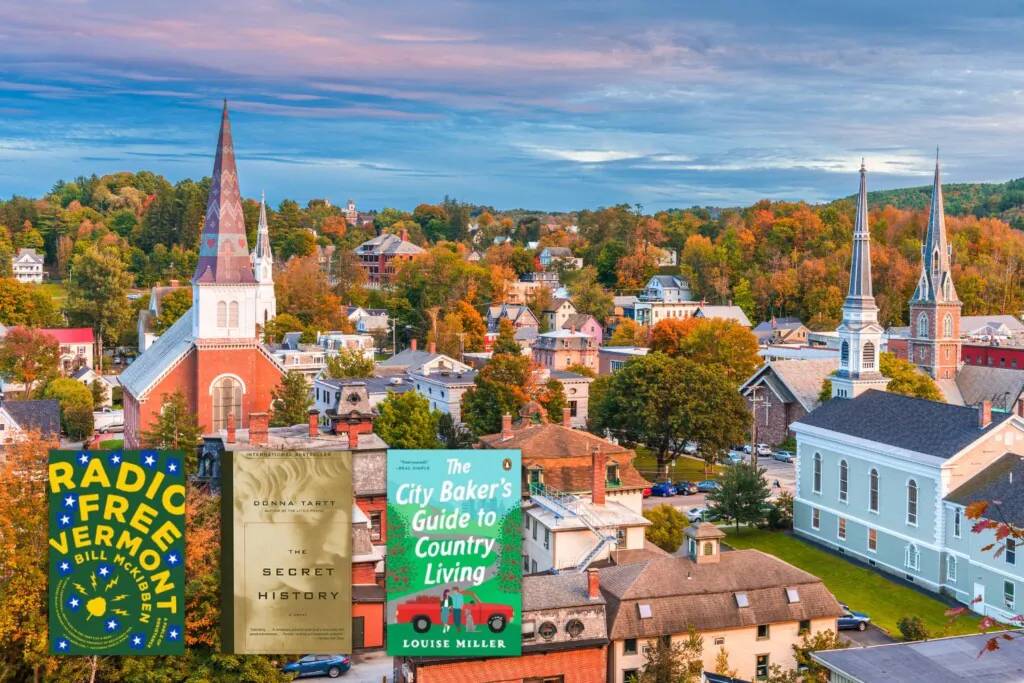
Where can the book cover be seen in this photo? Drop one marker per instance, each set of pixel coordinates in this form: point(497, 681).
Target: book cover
point(286, 552)
point(117, 552)
point(454, 567)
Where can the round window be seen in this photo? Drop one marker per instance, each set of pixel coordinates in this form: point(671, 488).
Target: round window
point(574, 628)
point(547, 630)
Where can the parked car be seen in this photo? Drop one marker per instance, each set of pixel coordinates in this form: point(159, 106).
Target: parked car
point(696, 514)
point(784, 456)
point(733, 458)
point(685, 488)
point(424, 612)
point(319, 665)
point(707, 486)
point(851, 619)
point(763, 449)
point(691, 447)
point(646, 493)
point(663, 489)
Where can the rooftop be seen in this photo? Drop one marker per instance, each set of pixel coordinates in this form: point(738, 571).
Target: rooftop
point(943, 660)
point(796, 380)
point(625, 350)
point(296, 438)
point(1002, 481)
point(611, 514)
point(937, 429)
point(556, 591)
point(42, 415)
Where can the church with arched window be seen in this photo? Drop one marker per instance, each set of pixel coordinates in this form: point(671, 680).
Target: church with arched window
point(214, 353)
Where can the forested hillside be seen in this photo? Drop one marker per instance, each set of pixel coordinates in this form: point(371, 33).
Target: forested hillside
point(1004, 201)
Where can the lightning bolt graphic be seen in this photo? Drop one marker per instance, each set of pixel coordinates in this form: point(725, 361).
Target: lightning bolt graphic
point(113, 582)
point(80, 588)
point(119, 612)
point(92, 578)
point(119, 598)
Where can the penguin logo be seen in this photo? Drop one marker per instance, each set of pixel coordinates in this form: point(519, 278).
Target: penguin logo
point(506, 464)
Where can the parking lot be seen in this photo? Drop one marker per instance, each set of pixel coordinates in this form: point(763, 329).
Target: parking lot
point(784, 473)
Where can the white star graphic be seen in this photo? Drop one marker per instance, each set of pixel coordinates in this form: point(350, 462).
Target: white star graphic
point(172, 467)
point(64, 566)
point(63, 644)
point(104, 571)
point(69, 501)
point(137, 640)
point(74, 602)
point(83, 459)
point(65, 519)
point(173, 634)
point(150, 460)
point(116, 459)
point(111, 624)
point(172, 559)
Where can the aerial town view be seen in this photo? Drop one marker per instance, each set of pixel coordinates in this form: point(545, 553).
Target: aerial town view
point(475, 342)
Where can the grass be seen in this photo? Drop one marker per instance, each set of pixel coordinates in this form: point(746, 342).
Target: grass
point(684, 468)
point(56, 291)
point(111, 444)
point(863, 590)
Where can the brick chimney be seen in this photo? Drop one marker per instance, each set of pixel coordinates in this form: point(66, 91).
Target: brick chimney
point(259, 429)
point(231, 427)
point(506, 427)
point(432, 348)
point(314, 423)
point(567, 417)
point(353, 437)
point(175, 283)
point(412, 344)
point(598, 472)
point(1019, 407)
point(593, 584)
point(405, 235)
point(984, 414)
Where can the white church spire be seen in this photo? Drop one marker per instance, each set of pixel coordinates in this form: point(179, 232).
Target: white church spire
point(263, 269)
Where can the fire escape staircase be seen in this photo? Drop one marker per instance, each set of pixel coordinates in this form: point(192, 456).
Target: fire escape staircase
point(568, 506)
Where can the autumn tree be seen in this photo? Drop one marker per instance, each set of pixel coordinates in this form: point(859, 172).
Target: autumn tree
point(348, 364)
point(629, 333)
point(176, 428)
point(97, 288)
point(505, 342)
point(722, 666)
point(75, 401)
point(26, 304)
point(173, 305)
point(666, 529)
point(28, 357)
point(280, 325)
point(302, 290)
point(406, 421)
point(724, 343)
point(291, 400)
point(589, 296)
point(674, 662)
point(904, 379)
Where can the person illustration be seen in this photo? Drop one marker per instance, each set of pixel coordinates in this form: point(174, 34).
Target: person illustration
point(456, 602)
point(446, 605)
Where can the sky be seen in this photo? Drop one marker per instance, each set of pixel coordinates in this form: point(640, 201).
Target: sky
point(546, 104)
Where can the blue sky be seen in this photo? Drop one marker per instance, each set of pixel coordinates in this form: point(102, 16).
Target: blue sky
point(546, 104)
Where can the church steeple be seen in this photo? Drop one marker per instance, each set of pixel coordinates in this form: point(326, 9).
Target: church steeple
point(263, 269)
point(935, 307)
point(859, 334)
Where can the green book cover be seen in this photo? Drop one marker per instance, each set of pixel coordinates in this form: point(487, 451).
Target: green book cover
point(454, 567)
point(117, 552)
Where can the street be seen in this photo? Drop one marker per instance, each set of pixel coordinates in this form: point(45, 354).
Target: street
point(784, 472)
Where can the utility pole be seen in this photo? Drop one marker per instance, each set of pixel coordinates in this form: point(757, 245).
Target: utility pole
point(755, 400)
point(394, 339)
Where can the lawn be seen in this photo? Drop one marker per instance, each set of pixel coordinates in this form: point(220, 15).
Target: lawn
point(55, 290)
point(112, 444)
point(863, 590)
point(684, 468)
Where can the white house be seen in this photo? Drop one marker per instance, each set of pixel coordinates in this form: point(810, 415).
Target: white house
point(444, 390)
point(27, 266)
point(367, 320)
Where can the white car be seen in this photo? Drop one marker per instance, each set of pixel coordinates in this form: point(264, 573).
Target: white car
point(763, 449)
point(690, 448)
point(696, 514)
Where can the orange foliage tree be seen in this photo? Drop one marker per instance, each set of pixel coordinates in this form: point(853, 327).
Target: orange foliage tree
point(709, 341)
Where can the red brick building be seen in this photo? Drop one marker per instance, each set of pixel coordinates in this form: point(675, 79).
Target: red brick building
point(380, 256)
point(213, 353)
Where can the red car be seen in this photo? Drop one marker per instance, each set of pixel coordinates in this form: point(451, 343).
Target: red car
point(424, 611)
point(646, 493)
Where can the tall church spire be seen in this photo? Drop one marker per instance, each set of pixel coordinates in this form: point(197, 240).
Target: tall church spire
point(936, 281)
point(224, 251)
point(261, 252)
point(263, 270)
point(859, 334)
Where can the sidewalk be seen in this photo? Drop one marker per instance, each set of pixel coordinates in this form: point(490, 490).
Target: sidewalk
point(370, 667)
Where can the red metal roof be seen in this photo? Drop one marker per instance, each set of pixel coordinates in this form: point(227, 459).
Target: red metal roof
point(74, 335)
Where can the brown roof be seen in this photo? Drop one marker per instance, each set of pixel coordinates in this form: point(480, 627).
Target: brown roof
point(703, 531)
point(648, 552)
point(566, 455)
point(681, 593)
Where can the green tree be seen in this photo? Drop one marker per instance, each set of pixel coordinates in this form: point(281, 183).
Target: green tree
point(722, 666)
point(29, 356)
point(453, 435)
point(589, 296)
point(812, 671)
point(177, 428)
point(629, 333)
point(581, 369)
point(174, 305)
point(280, 325)
point(348, 364)
point(744, 298)
point(674, 662)
point(99, 392)
point(904, 379)
point(502, 387)
point(291, 401)
point(912, 628)
point(743, 496)
point(666, 529)
point(96, 293)
point(75, 399)
point(505, 342)
point(664, 402)
point(26, 304)
point(406, 421)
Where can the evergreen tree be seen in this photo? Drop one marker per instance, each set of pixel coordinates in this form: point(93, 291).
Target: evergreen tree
point(506, 343)
point(177, 429)
point(291, 401)
point(743, 496)
point(96, 293)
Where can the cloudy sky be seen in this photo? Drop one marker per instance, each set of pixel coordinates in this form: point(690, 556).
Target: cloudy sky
point(548, 104)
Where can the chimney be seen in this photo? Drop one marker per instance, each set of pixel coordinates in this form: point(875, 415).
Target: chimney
point(432, 347)
point(314, 423)
point(174, 283)
point(412, 344)
point(231, 427)
point(405, 235)
point(506, 427)
point(567, 417)
point(1020, 407)
point(984, 414)
point(259, 434)
point(353, 437)
point(593, 584)
point(599, 471)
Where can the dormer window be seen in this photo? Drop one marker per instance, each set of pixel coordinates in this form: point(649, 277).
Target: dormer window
point(612, 474)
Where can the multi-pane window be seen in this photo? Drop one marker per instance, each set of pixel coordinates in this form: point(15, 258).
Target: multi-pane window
point(912, 502)
point(912, 558)
point(956, 522)
point(815, 518)
point(817, 473)
point(763, 632)
point(844, 481)
point(547, 538)
point(841, 532)
point(375, 525)
point(1011, 551)
point(873, 540)
point(222, 314)
point(762, 667)
point(873, 491)
point(1009, 589)
point(233, 314)
point(951, 568)
point(947, 326)
point(227, 400)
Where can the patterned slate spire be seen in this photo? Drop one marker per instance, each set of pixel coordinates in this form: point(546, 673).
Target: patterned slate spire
point(936, 281)
point(860, 267)
point(224, 251)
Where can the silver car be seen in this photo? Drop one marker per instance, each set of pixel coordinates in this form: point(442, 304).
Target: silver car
point(784, 456)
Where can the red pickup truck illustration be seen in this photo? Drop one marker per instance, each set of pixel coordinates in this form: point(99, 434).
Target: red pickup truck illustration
point(424, 611)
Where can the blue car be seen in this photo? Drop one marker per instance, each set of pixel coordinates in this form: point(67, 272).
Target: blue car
point(853, 620)
point(319, 665)
point(707, 486)
point(663, 488)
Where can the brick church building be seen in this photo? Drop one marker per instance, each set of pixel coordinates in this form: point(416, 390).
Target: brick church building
point(213, 353)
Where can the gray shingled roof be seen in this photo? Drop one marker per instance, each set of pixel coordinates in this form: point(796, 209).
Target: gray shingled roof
point(556, 591)
point(42, 415)
point(923, 426)
point(1001, 481)
point(944, 660)
point(979, 383)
